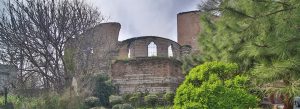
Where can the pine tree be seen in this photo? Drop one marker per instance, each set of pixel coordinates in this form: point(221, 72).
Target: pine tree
point(262, 37)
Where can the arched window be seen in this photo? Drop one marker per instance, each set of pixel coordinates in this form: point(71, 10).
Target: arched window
point(129, 53)
point(170, 51)
point(152, 49)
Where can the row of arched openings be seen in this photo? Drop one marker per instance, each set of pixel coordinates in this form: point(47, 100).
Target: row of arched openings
point(152, 50)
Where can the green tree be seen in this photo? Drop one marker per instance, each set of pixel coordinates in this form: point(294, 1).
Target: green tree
point(190, 61)
point(104, 89)
point(168, 97)
point(151, 100)
point(262, 36)
point(214, 85)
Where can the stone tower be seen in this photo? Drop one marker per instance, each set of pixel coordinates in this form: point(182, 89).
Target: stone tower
point(91, 54)
point(188, 29)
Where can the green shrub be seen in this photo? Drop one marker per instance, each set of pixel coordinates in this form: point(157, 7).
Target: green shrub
point(122, 106)
point(48, 101)
point(104, 89)
point(151, 99)
point(91, 102)
point(113, 99)
point(169, 97)
point(117, 106)
point(136, 99)
point(101, 107)
point(127, 106)
point(69, 101)
point(126, 97)
point(51, 102)
point(23, 102)
point(214, 85)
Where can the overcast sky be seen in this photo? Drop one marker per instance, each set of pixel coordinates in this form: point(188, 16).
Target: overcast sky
point(145, 17)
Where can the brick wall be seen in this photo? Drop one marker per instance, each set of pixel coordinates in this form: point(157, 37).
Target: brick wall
point(147, 74)
point(188, 29)
point(95, 51)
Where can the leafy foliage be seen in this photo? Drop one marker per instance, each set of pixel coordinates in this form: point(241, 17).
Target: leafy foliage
point(104, 89)
point(122, 106)
point(151, 99)
point(214, 85)
point(51, 101)
point(262, 36)
point(136, 99)
point(169, 97)
point(190, 61)
point(113, 99)
point(91, 102)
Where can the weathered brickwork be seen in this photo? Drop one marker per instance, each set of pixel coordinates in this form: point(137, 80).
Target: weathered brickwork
point(152, 74)
point(93, 53)
point(98, 51)
point(188, 29)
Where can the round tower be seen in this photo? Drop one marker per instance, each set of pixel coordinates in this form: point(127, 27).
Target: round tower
point(92, 53)
point(188, 28)
point(106, 35)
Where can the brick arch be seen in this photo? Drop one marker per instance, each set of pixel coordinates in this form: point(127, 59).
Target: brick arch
point(152, 51)
point(139, 46)
point(172, 54)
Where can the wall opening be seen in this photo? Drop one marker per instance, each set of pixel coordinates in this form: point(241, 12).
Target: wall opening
point(129, 53)
point(170, 51)
point(152, 49)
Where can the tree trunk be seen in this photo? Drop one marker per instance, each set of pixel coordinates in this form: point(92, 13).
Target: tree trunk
point(288, 104)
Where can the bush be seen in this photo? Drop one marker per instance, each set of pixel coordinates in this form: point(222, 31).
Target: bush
point(113, 99)
point(49, 101)
point(169, 97)
point(117, 106)
point(20, 102)
point(151, 99)
point(136, 99)
point(98, 108)
point(122, 106)
point(91, 102)
point(126, 106)
point(126, 97)
point(104, 89)
point(214, 85)
point(71, 101)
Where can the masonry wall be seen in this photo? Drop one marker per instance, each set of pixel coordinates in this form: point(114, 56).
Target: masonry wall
point(188, 29)
point(154, 75)
point(98, 51)
point(92, 54)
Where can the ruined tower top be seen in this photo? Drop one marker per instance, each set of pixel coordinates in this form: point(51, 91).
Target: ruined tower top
point(188, 29)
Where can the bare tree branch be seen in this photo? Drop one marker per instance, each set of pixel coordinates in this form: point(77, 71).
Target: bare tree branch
point(33, 34)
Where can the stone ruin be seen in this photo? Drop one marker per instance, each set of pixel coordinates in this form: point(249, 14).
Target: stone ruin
point(145, 64)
